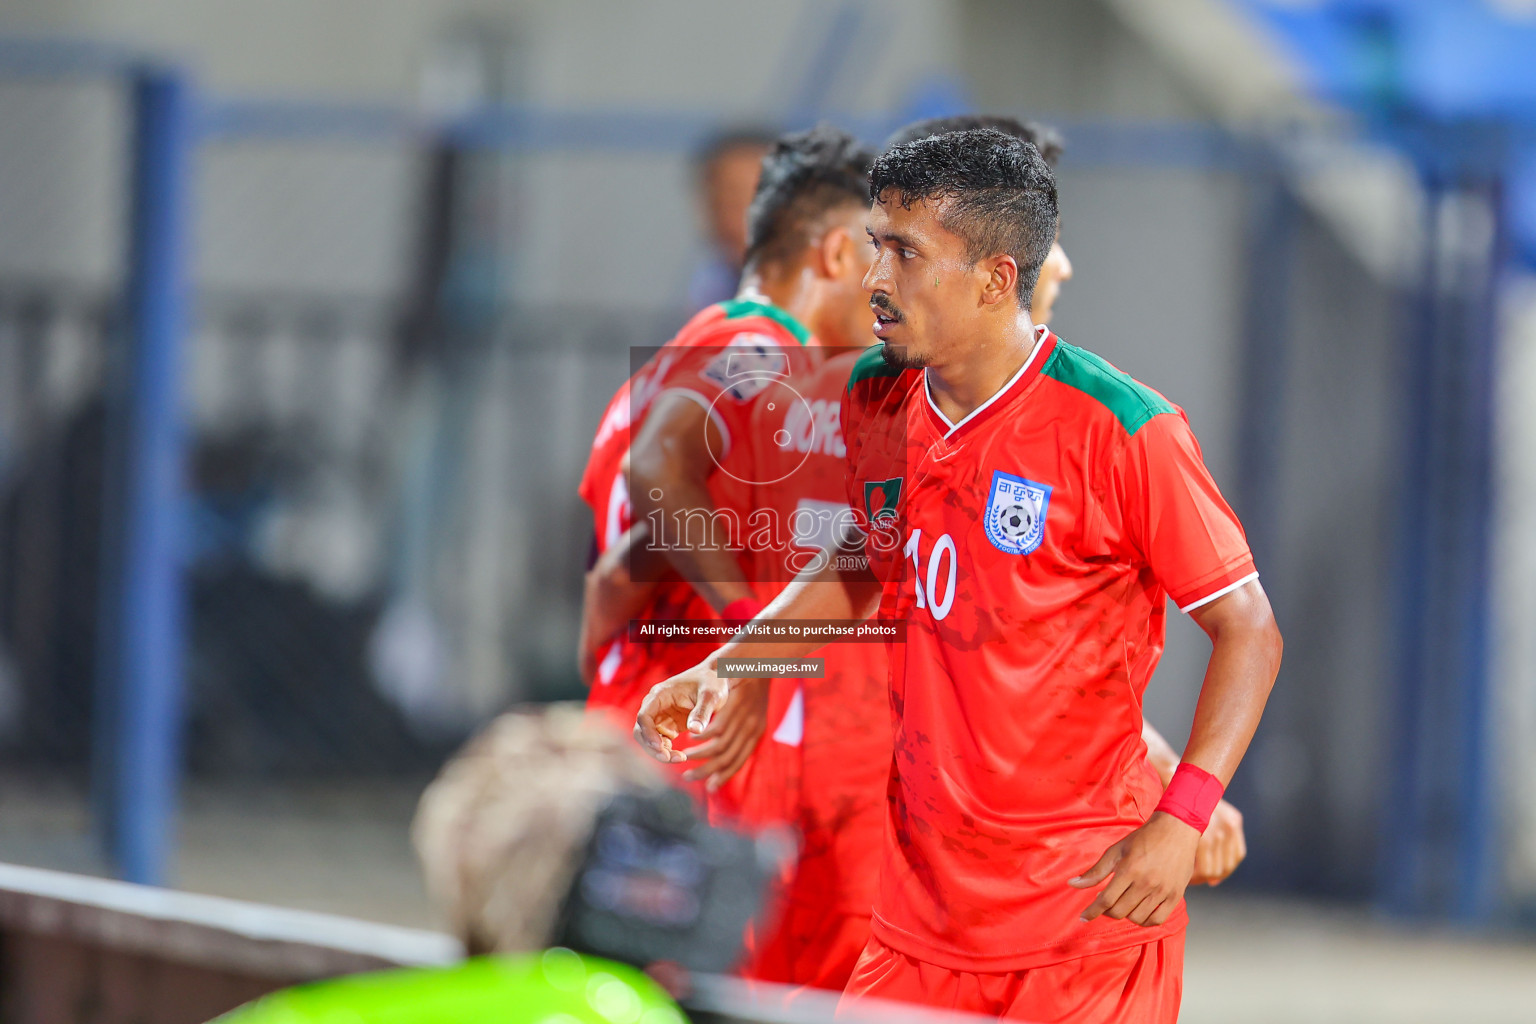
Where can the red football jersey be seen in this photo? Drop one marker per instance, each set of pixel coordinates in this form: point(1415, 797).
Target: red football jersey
point(836, 731)
point(722, 358)
point(1033, 547)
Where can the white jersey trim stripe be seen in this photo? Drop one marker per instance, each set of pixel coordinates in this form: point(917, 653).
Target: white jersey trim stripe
point(708, 407)
point(791, 730)
point(1208, 598)
point(1042, 331)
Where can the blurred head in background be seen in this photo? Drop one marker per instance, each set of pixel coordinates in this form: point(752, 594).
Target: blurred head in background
point(1057, 268)
point(805, 244)
point(726, 169)
point(498, 831)
point(551, 828)
point(962, 223)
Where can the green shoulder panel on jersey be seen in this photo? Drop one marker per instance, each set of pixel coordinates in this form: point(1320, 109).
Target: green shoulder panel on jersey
point(871, 365)
point(738, 308)
point(1130, 401)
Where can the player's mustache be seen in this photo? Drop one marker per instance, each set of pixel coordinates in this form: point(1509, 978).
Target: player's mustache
point(881, 302)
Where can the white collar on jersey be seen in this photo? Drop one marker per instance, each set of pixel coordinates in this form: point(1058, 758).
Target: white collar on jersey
point(750, 294)
point(1041, 333)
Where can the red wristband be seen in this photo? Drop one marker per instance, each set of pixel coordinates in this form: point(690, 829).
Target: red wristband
point(743, 609)
point(1191, 796)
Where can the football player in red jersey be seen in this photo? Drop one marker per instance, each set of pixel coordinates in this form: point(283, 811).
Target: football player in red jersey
point(1029, 510)
point(1223, 846)
point(823, 769)
point(667, 443)
point(833, 745)
point(830, 752)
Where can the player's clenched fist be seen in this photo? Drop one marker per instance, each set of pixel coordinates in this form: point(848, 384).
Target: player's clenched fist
point(1148, 871)
point(1222, 848)
point(686, 702)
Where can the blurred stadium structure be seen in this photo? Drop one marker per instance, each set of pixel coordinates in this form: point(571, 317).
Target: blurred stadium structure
point(403, 319)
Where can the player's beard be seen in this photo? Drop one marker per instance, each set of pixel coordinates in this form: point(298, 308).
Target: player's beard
point(896, 356)
point(901, 358)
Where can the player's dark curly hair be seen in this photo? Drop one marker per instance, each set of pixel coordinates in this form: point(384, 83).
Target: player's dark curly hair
point(998, 192)
point(805, 175)
point(1044, 138)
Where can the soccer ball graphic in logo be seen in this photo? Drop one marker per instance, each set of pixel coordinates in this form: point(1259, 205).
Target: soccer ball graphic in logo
point(1016, 521)
point(1015, 513)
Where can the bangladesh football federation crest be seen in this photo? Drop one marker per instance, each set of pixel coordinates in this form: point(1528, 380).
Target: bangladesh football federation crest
point(1016, 508)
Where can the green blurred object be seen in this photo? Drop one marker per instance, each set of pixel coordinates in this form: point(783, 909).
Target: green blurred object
point(556, 986)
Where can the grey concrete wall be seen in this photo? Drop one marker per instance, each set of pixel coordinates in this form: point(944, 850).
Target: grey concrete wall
point(1320, 762)
point(1514, 603)
point(274, 213)
point(1066, 58)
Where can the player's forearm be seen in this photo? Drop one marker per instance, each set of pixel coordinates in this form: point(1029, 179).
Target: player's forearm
point(1160, 753)
point(1245, 657)
point(823, 593)
point(672, 496)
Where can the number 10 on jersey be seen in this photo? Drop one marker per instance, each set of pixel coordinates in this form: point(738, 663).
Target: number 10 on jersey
point(939, 574)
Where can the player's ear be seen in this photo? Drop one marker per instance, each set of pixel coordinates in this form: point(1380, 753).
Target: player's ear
point(1001, 281)
point(833, 253)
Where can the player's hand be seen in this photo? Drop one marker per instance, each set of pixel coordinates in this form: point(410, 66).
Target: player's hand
point(686, 702)
point(1222, 848)
point(732, 736)
point(1148, 871)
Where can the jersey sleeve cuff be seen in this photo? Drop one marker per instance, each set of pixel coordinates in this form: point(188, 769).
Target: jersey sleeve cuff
point(1219, 587)
point(709, 408)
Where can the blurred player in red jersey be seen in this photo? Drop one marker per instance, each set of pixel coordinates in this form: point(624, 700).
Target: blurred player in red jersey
point(666, 446)
point(830, 752)
point(1029, 510)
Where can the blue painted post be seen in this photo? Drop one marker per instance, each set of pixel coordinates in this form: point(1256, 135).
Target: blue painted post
point(140, 684)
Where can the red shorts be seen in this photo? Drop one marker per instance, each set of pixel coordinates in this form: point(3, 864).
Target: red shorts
point(1138, 985)
point(809, 946)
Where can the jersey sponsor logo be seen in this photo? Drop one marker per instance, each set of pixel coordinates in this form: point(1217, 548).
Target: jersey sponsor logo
point(881, 498)
point(815, 426)
point(1016, 508)
point(747, 365)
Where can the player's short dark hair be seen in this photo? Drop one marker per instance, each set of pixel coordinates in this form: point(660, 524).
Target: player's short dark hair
point(1044, 138)
point(1000, 192)
point(805, 175)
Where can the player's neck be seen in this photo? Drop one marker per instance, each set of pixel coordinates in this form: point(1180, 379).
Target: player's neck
point(793, 290)
point(963, 384)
